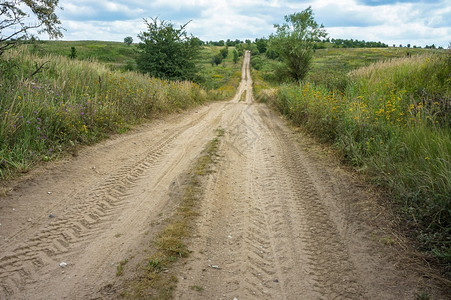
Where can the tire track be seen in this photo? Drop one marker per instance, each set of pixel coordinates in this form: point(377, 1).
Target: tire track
point(69, 233)
point(277, 224)
point(290, 247)
point(328, 261)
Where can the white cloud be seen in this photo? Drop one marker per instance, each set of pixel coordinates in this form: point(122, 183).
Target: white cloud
point(414, 22)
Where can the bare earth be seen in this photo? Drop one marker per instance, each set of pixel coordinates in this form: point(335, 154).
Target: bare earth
point(278, 220)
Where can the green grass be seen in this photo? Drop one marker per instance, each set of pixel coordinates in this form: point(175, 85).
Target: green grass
point(115, 54)
point(391, 121)
point(221, 81)
point(71, 102)
point(330, 66)
point(120, 267)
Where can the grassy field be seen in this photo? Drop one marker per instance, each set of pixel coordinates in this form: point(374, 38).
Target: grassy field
point(221, 80)
point(50, 103)
point(331, 65)
point(115, 54)
point(390, 120)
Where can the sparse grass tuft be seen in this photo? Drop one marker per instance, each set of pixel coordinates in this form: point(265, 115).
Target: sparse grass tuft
point(196, 288)
point(155, 280)
point(423, 296)
point(120, 267)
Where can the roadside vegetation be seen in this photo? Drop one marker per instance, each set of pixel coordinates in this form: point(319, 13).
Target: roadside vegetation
point(51, 104)
point(55, 96)
point(387, 113)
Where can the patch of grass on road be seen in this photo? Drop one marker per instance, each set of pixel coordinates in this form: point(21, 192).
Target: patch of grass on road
point(155, 280)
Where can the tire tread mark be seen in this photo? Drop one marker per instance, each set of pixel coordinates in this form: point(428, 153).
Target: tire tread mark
point(85, 219)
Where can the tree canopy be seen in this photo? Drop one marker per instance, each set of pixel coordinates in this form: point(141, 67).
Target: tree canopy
point(167, 52)
point(16, 22)
point(128, 40)
point(294, 42)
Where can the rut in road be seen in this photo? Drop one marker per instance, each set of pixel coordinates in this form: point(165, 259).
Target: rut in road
point(92, 212)
point(275, 223)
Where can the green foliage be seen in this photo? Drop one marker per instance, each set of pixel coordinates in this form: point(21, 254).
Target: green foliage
point(235, 56)
point(391, 121)
point(167, 52)
point(15, 24)
point(217, 59)
point(294, 42)
point(256, 62)
point(224, 52)
point(73, 53)
point(72, 102)
point(128, 40)
point(262, 45)
point(345, 43)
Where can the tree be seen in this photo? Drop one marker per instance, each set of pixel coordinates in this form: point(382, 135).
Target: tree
point(235, 56)
point(167, 52)
point(128, 40)
point(224, 52)
point(73, 53)
point(294, 41)
point(217, 59)
point(16, 23)
point(261, 45)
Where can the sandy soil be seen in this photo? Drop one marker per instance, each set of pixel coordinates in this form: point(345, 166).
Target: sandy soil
point(279, 219)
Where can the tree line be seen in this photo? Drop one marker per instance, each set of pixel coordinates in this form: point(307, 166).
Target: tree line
point(170, 53)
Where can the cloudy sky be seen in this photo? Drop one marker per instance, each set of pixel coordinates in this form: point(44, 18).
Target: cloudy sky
point(418, 22)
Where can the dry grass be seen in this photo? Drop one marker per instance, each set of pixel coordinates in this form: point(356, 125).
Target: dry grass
point(155, 279)
point(70, 102)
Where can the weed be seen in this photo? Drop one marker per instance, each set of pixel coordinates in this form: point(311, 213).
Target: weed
point(387, 240)
point(243, 96)
point(423, 296)
point(196, 288)
point(120, 267)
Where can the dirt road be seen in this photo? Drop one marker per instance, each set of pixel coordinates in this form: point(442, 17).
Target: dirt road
point(278, 220)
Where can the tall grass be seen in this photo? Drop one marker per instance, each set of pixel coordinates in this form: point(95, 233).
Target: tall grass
point(70, 101)
point(392, 122)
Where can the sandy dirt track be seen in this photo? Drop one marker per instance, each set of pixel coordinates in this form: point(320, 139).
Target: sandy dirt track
point(277, 220)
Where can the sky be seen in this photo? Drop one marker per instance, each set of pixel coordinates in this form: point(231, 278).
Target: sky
point(415, 22)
